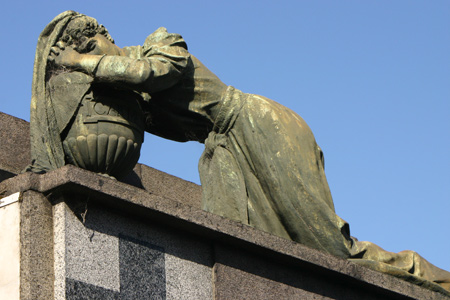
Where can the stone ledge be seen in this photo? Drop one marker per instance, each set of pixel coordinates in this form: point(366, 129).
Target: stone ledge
point(157, 207)
point(15, 145)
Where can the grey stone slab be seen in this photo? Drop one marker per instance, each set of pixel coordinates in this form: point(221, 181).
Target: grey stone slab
point(132, 256)
point(59, 256)
point(36, 247)
point(90, 256)
point(78, 290)
point(10, 248)
point(174, 216)
point(142, 270)
point(242, 275)
point(15, 145)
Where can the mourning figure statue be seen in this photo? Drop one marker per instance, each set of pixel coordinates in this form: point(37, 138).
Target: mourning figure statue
point(261, 165)
point(75, 119)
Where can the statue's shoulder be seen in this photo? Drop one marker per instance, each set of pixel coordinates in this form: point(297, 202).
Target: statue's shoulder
point(161, 38)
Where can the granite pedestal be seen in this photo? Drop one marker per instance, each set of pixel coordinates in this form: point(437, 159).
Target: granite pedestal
point(74, 234)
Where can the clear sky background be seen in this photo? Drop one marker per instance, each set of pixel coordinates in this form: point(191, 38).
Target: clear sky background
point(371, 78)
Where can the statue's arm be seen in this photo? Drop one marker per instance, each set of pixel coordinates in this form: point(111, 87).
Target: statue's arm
point(155, 66)
point(148, 74)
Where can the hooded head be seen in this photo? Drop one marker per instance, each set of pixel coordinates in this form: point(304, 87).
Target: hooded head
point(46, 146)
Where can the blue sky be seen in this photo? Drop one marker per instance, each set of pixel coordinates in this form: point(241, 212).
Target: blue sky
point(371, 78)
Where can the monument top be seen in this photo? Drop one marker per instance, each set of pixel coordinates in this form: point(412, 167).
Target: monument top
point(175, 203)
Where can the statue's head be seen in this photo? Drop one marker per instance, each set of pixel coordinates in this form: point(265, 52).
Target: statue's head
point(80, 29)
point(85, 35)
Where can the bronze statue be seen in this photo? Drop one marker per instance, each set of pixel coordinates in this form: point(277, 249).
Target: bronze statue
point(261, 165)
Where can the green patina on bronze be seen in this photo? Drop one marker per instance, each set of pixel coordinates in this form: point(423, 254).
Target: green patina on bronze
point(261, 165)
point(76, 120)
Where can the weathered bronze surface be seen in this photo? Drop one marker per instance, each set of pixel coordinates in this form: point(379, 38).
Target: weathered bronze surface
point(105, 135)
point(74, 119)
point(261, 165)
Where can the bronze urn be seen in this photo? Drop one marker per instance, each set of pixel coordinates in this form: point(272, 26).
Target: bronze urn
point(107, 132)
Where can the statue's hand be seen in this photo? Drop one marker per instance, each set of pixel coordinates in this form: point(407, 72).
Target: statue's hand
point(61, 55)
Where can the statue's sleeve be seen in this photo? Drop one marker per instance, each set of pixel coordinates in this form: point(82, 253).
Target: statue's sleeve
point(155, 66)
